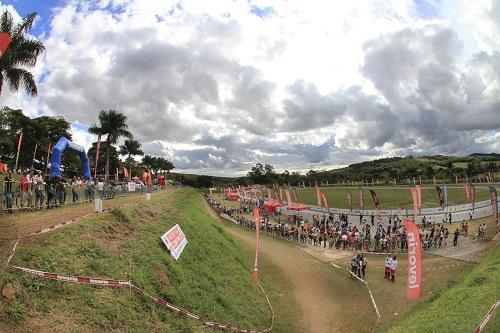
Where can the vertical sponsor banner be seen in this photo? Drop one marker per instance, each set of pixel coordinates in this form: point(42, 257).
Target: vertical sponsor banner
point(269, 195)
point(434, 179)
point(48, 157)
point(19, 142)
point(210, 190)
point(414, 182)
point(414, 196)
point(116, 176)
point(125, 173)
point(376, 202)
point(418, 189)
point(318, 196)
point(445, 195)
point(349, 199)
point(288, 198)
point(494, 204)
point(361, 199)
point(440, 196)
point(323, 199)
point(414, 281)
point(473, 195)
point(395, 182)
point(98, 147)
point(467, 192)
point(456, 179)
point(256, 219)
point(295, 197)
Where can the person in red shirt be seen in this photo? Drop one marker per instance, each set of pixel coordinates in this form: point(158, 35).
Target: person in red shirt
point(24, 188)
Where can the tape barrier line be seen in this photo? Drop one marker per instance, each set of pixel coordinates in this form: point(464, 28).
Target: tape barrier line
point(167, 305)
point(123, 283)
point(487, 318)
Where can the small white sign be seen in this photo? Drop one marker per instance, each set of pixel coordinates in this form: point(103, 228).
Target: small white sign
point(175, 241)
point(131, 186)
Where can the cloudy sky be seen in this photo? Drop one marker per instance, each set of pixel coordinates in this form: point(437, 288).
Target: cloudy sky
point(217, 86)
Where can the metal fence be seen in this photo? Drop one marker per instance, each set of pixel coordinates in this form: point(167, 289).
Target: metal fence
point(56, 195)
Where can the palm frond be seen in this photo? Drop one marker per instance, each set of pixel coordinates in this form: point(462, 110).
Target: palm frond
point(6, 22)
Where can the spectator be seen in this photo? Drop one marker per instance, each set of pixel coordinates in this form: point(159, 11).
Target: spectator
point(7, 189)
point(39, 190)
point(455, 237)
point(394, 266)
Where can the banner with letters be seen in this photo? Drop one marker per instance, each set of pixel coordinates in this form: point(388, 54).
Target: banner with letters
point(414, 280)
point(175, 241)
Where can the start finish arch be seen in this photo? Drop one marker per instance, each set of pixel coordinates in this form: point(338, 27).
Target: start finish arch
point(57, 151)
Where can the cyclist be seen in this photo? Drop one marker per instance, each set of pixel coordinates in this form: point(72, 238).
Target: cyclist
point(39, 190)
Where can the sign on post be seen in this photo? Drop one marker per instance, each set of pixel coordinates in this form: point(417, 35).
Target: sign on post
point(131, 186)
point(175, 241)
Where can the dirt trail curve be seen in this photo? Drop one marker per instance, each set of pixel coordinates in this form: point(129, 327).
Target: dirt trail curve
point(313, 282)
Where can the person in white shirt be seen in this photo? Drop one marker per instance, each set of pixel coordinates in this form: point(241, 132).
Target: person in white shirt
point(387, 267)
point(394, 266)
point(100, 188)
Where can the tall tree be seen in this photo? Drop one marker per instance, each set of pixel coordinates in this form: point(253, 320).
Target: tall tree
point(113, 124)
point(130, 148)
point(22, 52)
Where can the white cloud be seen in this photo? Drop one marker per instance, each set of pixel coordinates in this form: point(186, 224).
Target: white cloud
point(217, 88)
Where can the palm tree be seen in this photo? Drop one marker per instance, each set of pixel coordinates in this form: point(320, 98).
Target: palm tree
point(22, 52)
point(113, 124)
point(131, 148)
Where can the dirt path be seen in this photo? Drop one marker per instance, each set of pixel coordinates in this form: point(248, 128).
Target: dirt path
point(315, 285)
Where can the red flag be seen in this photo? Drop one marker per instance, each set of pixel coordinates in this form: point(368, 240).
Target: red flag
point(125, 173)
point(414, 196)
point(19, 147)
point(256, 219)
point(468, 192)
point(295, 197)
point(414, 285)
point(376, 202)
point(98, 147)
point(419, 196)
point(4, 42)
point(269, 195)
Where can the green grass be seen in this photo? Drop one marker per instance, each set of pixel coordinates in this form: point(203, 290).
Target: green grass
point(460, 307)
point(212, 276)
point(390, 198)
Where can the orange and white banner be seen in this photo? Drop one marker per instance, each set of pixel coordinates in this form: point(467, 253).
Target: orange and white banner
point(349, 199)
point(414, 285)
point(256, 219)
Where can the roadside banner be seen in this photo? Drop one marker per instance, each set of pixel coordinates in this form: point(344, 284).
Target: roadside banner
point(296, 198)
point(376, 202)
point(318, 196)
point(445, 195)
point(175, 241)
point(419, 196)
point(256, 219)
point(323, 198)
point(131, 186)
point(494, 203)
point(349, 199)
point(125, 173)
point(361, 199)
point(414, 196)
point(414, 283)
point(441, 196)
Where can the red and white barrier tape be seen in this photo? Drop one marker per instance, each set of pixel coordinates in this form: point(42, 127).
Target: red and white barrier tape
point(157, 300)
point(487, 318)
point(123, 283)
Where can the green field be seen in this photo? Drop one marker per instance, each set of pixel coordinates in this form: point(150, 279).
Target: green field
point(389, 197)
point(212, 277)
point(462, 306)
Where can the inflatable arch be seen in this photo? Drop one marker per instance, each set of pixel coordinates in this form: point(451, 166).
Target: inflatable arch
point(59, 148)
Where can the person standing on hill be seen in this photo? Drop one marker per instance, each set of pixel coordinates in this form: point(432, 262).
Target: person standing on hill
point(455, 237)
point(394, 266)
point(387, 267)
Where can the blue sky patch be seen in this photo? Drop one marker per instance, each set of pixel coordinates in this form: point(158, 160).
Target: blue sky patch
point(428, 9)
point(262, 11)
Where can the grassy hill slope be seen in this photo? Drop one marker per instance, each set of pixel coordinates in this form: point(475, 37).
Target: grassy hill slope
point(212, 276)
point(461, 307)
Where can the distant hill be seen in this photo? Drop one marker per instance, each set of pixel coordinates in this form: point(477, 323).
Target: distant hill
point(474, 167)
